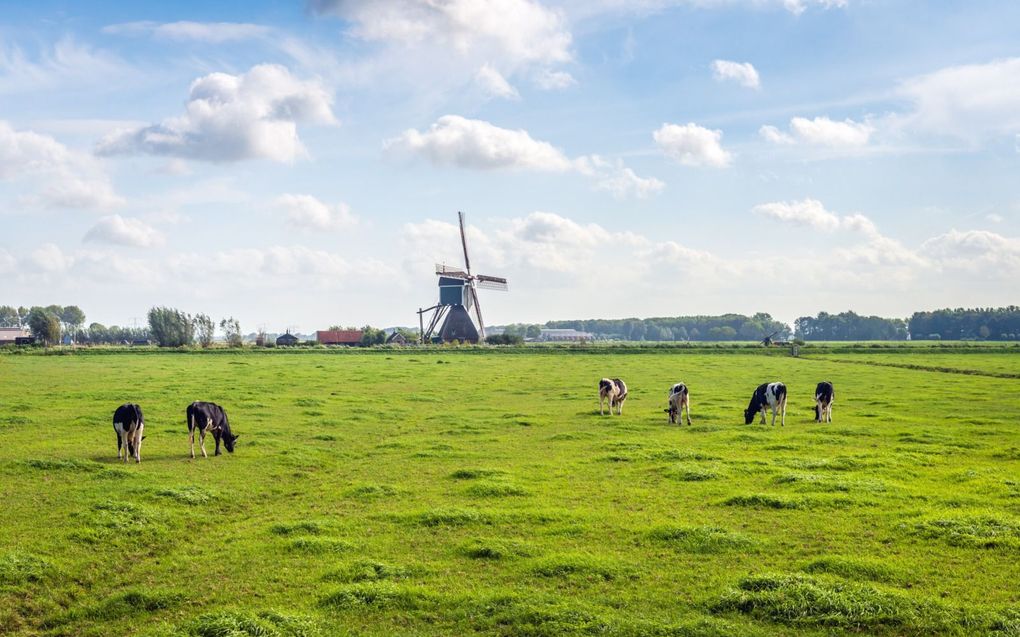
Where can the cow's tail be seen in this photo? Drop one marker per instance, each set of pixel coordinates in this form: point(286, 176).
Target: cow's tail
point(191, 419)
point(781, 393)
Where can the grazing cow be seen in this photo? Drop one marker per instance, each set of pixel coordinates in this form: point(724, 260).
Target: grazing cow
point(679, 398)
point(206, 418)
point(129, 425)
point(615, 391)
point(766, 396)
point(824, 396)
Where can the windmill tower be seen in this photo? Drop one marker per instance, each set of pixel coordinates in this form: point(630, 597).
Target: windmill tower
point(458, 294)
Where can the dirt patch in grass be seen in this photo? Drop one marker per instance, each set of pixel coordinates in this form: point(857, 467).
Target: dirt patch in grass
point(699, 539)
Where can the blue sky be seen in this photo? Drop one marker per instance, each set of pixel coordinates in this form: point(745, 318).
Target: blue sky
point(301, 164)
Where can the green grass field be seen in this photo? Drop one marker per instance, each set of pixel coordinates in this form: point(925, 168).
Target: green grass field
point(451, 493)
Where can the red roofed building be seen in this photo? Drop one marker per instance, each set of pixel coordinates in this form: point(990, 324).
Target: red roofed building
point(338, 337)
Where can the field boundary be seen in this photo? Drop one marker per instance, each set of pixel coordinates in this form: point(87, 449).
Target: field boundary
point(922, 368)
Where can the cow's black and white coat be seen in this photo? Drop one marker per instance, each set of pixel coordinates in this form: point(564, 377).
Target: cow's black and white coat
point(129, 425)
point(679, 399)
point(209, 418)
point(613, 390)
point(767, 396)
point(824, 397)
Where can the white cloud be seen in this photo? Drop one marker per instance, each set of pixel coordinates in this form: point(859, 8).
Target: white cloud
point(214, 32)
point(994, 218)
point(56, 176)
point(521, 31)
point(305, 211)
point(476, 144)
point(617, 179)
point(124, 231)
point(471, 143)
point(976, 251)
point(234, 117)
point(742, 73)
point(48, 259)
point(972, 102)
point(67, 65)
point(494, 84)
point(811, 212)
point(554, 80)
point(821, 131)
point(692, 145)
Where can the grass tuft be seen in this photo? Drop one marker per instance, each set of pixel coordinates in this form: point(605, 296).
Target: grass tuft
point(374, 595)
point(447, 517)
point(494, 549)
point(852, 569)
point(474, 474)
point(370, 490)
point(764, 500)
point(320, 545)
point(369, 571)
point(699, 539)
point(579, 565)
point(973, 531)
point(301, 527)
point(18, 568)
point(191, 495)
point(243, 624)
point(119, 606)
point(492, 489)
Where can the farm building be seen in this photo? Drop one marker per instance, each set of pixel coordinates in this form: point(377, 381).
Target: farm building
point(9, 335)
point(396, 338)
point(287, 340)
point(565, 335)
point(338, 337)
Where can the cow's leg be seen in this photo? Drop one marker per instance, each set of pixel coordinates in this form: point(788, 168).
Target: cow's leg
point(828, 413)
point(764, 410)
point(201, 440)
point(688, 405)
point(191, 436)
point(602, 405)
point(120, 443)
point(619, 408)
point(138, 445)
point(216, 437)
point(782, 407)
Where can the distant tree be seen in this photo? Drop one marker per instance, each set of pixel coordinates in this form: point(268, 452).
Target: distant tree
point(97, 333)
point(9, 316)
point(23, 314)
point(171, 327)
point(73, 319)
point(45, 325)
point(372, 336)
point(504, 339)
point(680, 333)
point(205, 329)
point(983, 331)
point(533, 331)
point(232, 331)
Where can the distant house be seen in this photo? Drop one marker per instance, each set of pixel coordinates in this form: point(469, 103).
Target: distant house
point(10, 335)
point(396, 338)
point(287, 340)
point(565, 335)
point(338, 337)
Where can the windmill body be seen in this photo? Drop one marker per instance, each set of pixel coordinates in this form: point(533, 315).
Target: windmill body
point(458, 295)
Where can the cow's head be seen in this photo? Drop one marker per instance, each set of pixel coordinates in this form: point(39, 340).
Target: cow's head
point(749, 415)
point(228, 442)
point(672, 413)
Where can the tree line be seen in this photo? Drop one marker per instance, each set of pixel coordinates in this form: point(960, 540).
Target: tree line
point(989, 323)
point(848, 326)
point(727, 327)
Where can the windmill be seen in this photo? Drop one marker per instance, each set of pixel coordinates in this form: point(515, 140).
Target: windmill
point(458, 294)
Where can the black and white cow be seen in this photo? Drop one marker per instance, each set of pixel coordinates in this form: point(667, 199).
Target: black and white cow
point(679, 398)
point(767, 396)
point(209, 418)
point(129, 425)
point(615, 391)
point(824, 397)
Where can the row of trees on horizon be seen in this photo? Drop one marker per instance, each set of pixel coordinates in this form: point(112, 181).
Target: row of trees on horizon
point(170, 327)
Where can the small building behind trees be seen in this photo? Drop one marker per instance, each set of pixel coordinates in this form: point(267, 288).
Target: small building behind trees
point(10, 335)
point(287, 340)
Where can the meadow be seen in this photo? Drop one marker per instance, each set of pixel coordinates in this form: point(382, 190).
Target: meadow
point(448, 492)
